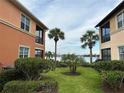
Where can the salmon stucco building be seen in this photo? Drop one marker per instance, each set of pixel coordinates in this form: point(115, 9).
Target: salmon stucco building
point(21, 33)
point(111, 31)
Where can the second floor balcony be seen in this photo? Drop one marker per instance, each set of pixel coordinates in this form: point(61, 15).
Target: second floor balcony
point(39, 35)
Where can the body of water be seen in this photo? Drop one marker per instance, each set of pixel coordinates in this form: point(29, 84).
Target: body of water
point(87, 59)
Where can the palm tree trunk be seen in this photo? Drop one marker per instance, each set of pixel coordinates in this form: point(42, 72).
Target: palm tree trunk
point(55, 50)
point(90, 55)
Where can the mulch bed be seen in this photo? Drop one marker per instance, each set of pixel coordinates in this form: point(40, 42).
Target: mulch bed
point(72, 74)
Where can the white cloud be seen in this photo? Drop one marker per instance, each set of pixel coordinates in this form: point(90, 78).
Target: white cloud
point(74, 17)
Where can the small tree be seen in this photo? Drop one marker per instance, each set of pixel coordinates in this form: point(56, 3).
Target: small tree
point(71, 60)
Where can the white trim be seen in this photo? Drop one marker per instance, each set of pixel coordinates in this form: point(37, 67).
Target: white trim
point(38, 48)
point(42, 51)
point(116, 20)
point(39, 44)
point(120, 46)
point(25, 46)
point(30, 25)
point(14, 27)
point(119, 51)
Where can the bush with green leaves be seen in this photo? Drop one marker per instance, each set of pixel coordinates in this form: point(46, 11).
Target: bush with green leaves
point(113, 78)
point(62, 64)
point(86, 64)
point(9, 75)
point(109, 65)
point(72, 61)
point(45, 86)
point(33, 67)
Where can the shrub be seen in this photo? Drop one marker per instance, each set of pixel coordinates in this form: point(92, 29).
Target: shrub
point(102, 65)
point(46, 86)
point(62, 64)
point(32, 67)
point(97, 60)
point(113, 78)
point(1, 66)
point(72, 61)
point(86, 64)
point(8, 75)
point(109, 65)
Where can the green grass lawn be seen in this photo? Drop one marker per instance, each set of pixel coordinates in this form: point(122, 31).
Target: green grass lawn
point(88, 82)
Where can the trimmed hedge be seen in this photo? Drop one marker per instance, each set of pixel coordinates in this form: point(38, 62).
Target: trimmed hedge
point(46, 86)
point(8, 75)
point(62, 64)
point(33, 67)
point(112, 72)
point(109, 65)
point(86, 64)
point(113, 78)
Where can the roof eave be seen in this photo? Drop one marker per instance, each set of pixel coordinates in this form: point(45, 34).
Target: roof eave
point(121, 5)
point(26, 11)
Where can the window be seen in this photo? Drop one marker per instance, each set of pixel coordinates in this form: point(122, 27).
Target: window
point(38, 53)
point(24, 52)
point(120, 20)
point(121, 52)
point(106, 54)
point(39, 35)
point(25, 23)
point(105, 33)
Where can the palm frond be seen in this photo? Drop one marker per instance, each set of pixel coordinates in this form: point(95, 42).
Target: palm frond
point(90, 32)
point(56, 33)
point(84, 38)
point(96, 37)
point(50, 36)
point(89, 39)
point(61, 35)
point(84, 45)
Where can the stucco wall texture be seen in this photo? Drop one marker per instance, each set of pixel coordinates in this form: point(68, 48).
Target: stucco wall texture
point(11, 37)
point(117, 38)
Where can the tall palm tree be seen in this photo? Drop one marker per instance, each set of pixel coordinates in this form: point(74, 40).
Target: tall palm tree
point(89, 39)
point(56, 34)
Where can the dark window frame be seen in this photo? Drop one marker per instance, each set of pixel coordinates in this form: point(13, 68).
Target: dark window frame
point(40, 37)
point(120, 20)
point(106, 54)
point(105, 33)
point(121, 52)
point(39, 53)
point(25, 23)
point(23, 52)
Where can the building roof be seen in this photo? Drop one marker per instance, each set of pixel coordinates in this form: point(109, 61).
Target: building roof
point(26, 11)
point(114, 11)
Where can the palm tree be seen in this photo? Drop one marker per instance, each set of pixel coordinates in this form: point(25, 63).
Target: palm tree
point(56, 34)
point(49, 55)
point(89, 40)
point(72, 61)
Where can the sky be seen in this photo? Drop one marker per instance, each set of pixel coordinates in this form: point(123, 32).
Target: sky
point(73, 17)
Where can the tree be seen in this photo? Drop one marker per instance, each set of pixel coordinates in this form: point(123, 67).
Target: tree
point(56, 34)
point(49, 55)
point(71, 60)
point(89, 40)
